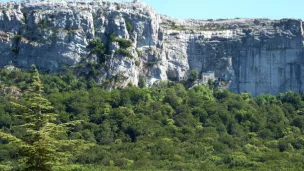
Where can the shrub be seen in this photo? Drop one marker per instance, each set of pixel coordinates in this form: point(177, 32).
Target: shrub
point(43, 24)
point(129, 27)
point(173, 26)
point(119, 77)
point(142, 83)
point(71, 32)
point(137, 63)
point(130, 84)
point(123, 43)
point(124, 52)
point(151, 63)
point(17, 37)
point(139, 52)
point(118, 7)
point(15, 50)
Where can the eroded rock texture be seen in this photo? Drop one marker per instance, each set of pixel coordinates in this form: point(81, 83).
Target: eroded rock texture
point(247, 55)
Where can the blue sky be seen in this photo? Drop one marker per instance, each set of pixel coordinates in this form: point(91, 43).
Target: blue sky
point(206, 9)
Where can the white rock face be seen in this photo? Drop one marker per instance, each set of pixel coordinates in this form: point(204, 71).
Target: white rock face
point(247, 55)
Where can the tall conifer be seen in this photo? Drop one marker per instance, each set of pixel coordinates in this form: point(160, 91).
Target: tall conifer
point(40, 148)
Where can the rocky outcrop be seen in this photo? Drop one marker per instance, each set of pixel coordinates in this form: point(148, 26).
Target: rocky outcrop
point(246, 55)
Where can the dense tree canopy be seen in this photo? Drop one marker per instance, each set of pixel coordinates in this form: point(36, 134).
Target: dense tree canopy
point(164, 128)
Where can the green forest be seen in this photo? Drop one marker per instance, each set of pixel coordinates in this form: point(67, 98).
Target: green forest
point(166, 127)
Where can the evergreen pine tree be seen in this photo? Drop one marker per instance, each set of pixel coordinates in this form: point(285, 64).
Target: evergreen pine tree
point(40, 148)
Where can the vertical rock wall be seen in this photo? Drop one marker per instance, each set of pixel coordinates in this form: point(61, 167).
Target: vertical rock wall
point(246, 55)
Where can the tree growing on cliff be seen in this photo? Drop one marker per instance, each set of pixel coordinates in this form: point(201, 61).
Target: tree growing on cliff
point(193, 76)
point(97, 48)
point(129, 27)
point(40, 147)
point(142, 83)
point(210, 84)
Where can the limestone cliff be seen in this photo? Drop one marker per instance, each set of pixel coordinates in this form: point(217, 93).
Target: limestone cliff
point(246, 55)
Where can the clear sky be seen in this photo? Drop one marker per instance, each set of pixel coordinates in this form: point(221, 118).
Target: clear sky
point(206, 9)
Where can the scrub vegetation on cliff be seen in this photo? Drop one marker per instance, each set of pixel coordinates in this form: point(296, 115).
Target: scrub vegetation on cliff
point(167, 127)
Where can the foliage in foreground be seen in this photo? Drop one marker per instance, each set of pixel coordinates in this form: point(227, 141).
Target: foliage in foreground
point(167, 128)
point(39, 146)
